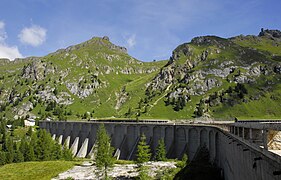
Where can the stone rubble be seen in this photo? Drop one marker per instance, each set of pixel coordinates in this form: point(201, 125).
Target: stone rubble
point(120, 171)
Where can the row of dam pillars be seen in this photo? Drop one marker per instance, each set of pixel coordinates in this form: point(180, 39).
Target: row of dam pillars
point(179, 139)
point(260, 137)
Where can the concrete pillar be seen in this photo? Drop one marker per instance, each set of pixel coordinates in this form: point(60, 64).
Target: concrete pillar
point(251, 135)
point(264, 140)
point(243, 132)
point(92, 152)
point(238, 131)
point(67, 142)
point(117, 154)
point(60, 139)
point(83, 150)
point(54, 136)
point(74, 146)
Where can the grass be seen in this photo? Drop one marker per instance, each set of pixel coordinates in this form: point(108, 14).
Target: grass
point(44, 170)
point(95, 56)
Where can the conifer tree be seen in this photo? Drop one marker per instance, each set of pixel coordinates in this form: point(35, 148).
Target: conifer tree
point(2, 158)
point(18, 157)
point(29, 156)
point(33, 144)
point(23, 148)
point(143, 153)
point(57, 151)
point(66, 153)
point(29, 132)
point(4, 141)
point(9, 150)
point(104, 152)
point(44, 145)
point(161, 151)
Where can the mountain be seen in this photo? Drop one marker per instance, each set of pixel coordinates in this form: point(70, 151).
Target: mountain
point(209, 76)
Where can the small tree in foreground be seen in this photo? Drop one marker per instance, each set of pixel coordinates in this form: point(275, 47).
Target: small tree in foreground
point(143, 154)
point(104, 152)
point(184, 161)
point(161, 151)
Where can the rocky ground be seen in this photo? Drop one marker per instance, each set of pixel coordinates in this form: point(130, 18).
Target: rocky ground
point(120, 171)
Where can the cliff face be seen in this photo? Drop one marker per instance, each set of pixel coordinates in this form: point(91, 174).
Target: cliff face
point(209, 76)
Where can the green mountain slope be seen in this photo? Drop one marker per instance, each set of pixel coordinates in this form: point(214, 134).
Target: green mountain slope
point(209, 76)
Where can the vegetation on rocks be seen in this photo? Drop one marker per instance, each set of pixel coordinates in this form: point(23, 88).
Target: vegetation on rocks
point(209, 76)
point(36, 145)
point(143, 151)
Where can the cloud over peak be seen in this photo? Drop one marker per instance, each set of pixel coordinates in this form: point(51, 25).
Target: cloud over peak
point(131, 41)
point(6, 51)
point(34, 35)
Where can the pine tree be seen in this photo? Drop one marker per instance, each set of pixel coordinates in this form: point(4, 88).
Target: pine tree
point(23, 148)
point(2, 158)
point(44, 145)
point(29, 155)
point(3, 126)
point(66, 153)
point(33, 144)
point(29, 132)
point(57, 151)
point(143, 173)
point(104, 152)
point(9, 150)
point(18, 157)
point(143, 154)
point(4, 141)
point(184, 161)
point(161, 151)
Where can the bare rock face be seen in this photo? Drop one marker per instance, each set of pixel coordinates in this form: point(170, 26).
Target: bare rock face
point(270, 33)
point(199, 86)
point(121, 98)
point(37, 70)
point(4, 61)
point(24, 109)
point(48, 95)
point(119, 171)
point(163, 79)
point(83, 90)
point(223, 73)
point(277, 69)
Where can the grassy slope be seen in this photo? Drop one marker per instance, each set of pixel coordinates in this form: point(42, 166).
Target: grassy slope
point(34, 170)
point(104, 100)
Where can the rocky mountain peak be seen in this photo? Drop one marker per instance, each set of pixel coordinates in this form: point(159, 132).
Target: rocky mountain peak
point(95, 43)
point(4, 61)
point(270, 33)
point(209, 41)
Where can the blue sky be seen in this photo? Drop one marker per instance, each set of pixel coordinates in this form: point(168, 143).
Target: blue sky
point(149, 29)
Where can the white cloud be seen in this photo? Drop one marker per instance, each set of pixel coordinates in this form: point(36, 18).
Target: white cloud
point(34, 35)
point(131, 41)
point(6, 51)
point(10, 52)
point(3, 34)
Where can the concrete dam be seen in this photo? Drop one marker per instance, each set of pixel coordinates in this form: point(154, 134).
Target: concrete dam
point(241, 150)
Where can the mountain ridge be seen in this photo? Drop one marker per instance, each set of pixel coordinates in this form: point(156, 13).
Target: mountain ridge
point(206, 77)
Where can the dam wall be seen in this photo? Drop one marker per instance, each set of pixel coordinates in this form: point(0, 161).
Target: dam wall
point(237, 158)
